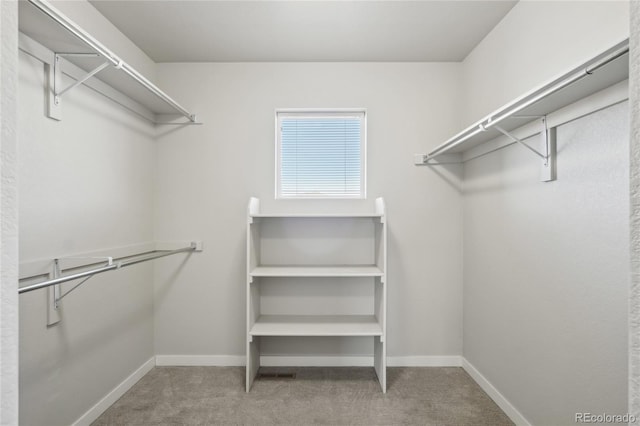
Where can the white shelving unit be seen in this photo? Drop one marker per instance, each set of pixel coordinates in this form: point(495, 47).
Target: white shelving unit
point(302, 252)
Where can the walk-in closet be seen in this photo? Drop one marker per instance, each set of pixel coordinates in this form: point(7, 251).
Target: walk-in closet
point(320, 212)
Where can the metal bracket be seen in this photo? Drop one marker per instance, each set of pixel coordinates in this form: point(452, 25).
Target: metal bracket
point(548, 152)
point(54, 76)
point(54, 83)
point(442, 159)
point(53, 294)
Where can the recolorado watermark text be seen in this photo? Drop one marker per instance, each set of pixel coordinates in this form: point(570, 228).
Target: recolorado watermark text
point(605, 418)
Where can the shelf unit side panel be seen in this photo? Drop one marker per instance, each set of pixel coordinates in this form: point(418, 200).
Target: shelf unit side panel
point(254, 307)
point(380, 361)
point(380, 242)
point(252, 290)
point(384, 279)
point(253, 296)
point(253, 243)
point(253, 362)
point(379, 301)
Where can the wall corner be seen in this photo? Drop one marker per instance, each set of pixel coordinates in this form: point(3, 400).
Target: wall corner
point(8, 214)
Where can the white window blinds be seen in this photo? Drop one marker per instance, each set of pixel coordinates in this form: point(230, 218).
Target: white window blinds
point(320, 154)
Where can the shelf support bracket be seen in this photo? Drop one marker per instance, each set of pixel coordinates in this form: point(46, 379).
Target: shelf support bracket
point(548, 149)
point(53, 293)
point(83, 79)
point(54, 76)
point(515, 139)
point(55, 90)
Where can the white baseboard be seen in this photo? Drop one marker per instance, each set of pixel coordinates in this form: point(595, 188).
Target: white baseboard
point(94, 412)
point(494, 394)
point(308, 361)
point(425, 361)
point(200, 360)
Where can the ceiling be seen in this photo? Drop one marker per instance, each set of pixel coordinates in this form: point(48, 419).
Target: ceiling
point(304, 31)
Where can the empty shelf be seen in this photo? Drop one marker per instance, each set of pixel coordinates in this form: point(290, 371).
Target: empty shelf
point(317, 271)
point(316, 325)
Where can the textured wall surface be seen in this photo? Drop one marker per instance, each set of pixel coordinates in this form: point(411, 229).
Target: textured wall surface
point(634, 300)
point(546, 272)
point(8, 215)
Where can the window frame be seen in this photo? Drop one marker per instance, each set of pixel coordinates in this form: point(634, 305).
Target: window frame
point(319, 113)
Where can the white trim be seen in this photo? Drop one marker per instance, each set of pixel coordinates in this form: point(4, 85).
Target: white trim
point(308, 361)
point(425, 361)
point(200, 360)
point(94, 412)
point(494, 394)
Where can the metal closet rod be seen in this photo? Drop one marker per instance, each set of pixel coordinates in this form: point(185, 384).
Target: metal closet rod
point(490, 122)
point(117, 265)
point(70, 26)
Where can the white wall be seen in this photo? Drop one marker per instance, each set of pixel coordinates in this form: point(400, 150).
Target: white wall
point(207, 173)
point(8, 215)
point(634, 299)
point(546, 272)
point(536, 42)
point(546, 265)
point(86, 184)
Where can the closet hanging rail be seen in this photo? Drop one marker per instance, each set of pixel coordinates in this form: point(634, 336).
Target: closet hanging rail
point(111, 266)
point(524, 104)
point(112, 58)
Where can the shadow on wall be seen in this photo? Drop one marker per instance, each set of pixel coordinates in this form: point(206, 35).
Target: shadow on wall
point(452, 174)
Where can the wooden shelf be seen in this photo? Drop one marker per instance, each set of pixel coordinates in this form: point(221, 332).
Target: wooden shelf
point(316, 325)
point(317, 271)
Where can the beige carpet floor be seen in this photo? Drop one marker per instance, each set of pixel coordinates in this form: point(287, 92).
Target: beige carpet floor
point(327, 396)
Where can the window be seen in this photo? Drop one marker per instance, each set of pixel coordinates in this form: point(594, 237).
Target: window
point(320, 154)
